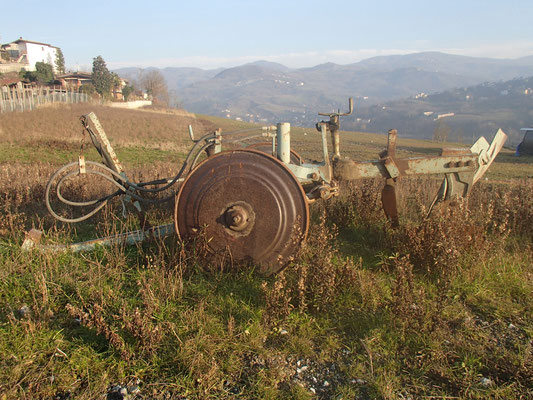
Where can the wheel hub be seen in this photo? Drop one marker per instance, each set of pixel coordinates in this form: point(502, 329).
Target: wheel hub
point(239, 218)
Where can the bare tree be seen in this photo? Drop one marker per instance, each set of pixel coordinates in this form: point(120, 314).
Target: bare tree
point(155, 85)
point(441, 132)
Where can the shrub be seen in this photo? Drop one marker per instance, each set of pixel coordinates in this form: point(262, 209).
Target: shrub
point(315, 279)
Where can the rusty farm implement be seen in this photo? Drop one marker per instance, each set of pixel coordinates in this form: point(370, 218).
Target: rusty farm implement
point(253, 202)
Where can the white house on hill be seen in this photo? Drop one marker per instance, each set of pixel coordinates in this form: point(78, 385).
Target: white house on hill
point(27, 53)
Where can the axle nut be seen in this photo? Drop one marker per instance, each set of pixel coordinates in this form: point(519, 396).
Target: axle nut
point(237, 218)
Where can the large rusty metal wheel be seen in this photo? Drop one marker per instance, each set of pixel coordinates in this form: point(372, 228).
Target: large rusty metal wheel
point(266, 147)
point(247, 204)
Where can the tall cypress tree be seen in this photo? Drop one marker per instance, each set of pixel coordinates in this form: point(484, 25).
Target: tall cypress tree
point(60, 61)
point(101, 77)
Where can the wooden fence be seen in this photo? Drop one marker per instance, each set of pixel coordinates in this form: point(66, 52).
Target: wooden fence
point(29, 98)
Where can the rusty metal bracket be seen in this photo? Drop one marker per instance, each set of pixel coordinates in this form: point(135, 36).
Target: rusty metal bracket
point(318, 171)
point(333, 125)
point(81, 162)
point(101, 142)
point(388, 156)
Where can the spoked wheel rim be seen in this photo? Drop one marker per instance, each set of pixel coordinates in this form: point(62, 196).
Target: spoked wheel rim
point(248, 205)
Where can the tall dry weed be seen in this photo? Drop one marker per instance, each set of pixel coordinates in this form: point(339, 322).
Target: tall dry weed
point(358, 204)
point(509, 206)
point(316, 277)
point(129, 328)
point(474, 227)
point(278, 298)
point(437, 244)
point(409, 299)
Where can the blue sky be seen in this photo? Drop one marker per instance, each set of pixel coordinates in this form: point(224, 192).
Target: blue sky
point(211, 34)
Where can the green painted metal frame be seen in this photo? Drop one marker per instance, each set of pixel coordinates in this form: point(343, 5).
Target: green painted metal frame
point(461, 169)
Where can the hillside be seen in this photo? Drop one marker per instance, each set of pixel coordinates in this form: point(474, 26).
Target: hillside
point(270, 92)
point(477, 110)
point(176, 78)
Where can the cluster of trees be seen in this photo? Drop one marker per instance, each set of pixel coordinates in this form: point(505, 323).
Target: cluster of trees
point(104, 82)
point(44, 72)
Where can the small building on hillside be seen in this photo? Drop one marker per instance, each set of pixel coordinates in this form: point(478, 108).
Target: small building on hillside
point(526, 145)
point(10, 82)
point(74, 80)
point(445, 115)
point(116, 92)
point(26, 53)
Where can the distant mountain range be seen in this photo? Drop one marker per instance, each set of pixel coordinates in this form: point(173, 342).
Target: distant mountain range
point(269, 92)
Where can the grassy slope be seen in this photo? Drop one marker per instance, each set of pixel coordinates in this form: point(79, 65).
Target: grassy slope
point(439, 308)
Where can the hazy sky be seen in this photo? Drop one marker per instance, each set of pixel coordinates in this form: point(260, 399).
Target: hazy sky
point(298, 33)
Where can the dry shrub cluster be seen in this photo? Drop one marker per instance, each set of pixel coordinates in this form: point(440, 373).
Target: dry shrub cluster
point(437, 244)
point(358, 204)
point(509, 206)
point(437, 247)
point(21, 194)
point(455, 237)
point(477, 227)
point(316, 277)
point(130, 324)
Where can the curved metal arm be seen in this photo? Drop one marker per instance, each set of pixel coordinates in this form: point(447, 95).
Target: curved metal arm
point(339, 114)
point(333, 125)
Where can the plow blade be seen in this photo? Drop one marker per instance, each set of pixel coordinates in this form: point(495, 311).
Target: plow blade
point(458, 185)
point(388, 200)
point(487, 153)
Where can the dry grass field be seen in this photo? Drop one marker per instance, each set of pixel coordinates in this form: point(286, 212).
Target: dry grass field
point(440, 308)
